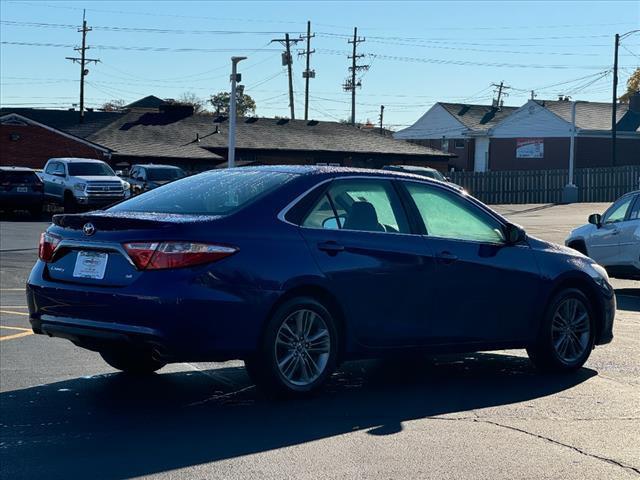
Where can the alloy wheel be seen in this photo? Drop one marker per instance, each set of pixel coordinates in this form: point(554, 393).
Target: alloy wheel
point(570, 330)
point(303, 346)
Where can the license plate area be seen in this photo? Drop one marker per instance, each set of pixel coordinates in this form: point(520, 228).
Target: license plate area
point(90, 265)
point(22, 189)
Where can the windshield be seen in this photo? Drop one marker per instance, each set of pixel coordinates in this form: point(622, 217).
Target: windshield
point(210, 193)
point(90, 168)
point(160, 174)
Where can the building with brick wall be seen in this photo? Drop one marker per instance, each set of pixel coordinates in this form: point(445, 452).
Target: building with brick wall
point(535, 136)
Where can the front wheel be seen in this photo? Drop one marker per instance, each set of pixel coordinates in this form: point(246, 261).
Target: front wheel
point(132, 361)
point(567, 334)
point(298, 350)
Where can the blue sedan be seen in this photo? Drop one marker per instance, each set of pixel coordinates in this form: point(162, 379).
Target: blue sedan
point(296, 269)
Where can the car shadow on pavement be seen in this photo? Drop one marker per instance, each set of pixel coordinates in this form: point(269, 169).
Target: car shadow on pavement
point(116, 426)
point(628, 299)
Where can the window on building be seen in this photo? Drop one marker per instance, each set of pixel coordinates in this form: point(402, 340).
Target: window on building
point(445, 144)
point(458, 143)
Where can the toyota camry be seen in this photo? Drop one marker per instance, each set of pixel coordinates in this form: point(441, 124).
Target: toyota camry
point(296, 269)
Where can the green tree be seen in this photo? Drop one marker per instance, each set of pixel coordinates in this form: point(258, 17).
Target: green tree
point(633, 86)
point(245, 106)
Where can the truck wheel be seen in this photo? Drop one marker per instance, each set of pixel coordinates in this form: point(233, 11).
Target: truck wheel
point(70, 205)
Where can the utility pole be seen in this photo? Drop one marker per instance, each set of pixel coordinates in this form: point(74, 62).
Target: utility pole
point(381, 117)
point(308, 73)
point(614, 101)
point(501, 92)
point(83, 61)
point(350, 84)
point(533, 95)
point(288, 61)
point(235, 78)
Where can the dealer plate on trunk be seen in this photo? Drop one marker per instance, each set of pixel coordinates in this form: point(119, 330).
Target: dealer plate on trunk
point(22, 189)
point(90, 265)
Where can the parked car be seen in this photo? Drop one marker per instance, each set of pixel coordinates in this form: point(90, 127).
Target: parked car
point(150, 176)
point(295, 269)
point(613, 238)
point(21, 189)
point(79, 183)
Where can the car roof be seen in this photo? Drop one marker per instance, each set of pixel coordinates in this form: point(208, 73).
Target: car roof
point(154, 165)
point(16, 169)
point(324, 172)
point(414, 168)
point(74, 160)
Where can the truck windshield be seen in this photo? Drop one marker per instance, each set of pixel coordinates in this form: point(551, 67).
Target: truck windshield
point(90, 168)
point(160, 174)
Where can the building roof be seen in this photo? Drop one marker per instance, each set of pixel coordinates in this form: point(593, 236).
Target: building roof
point(477, 117)
point(67, 120)
point(162, 134)
point(150, 101)
point(594, 115)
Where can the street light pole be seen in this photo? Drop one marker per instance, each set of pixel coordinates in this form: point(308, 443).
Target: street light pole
point(570, 191)
point(231, 156)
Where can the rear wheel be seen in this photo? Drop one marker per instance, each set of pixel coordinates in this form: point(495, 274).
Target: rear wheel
point(132, 361)
point(298, 351)
point(567, 333)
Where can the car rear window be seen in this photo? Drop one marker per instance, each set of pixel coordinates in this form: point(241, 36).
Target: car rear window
point(90, 168)
point(220, 192)
point(18, 177)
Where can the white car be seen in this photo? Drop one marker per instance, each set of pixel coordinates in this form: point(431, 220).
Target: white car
point(613, 238)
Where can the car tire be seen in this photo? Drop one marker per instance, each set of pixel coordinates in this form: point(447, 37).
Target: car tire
point(567, 333)
point(132, 361)
point(298, 350)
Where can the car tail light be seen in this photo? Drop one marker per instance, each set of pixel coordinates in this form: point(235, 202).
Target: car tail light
point(38, 187)
point(163, 255)
point(48, 244)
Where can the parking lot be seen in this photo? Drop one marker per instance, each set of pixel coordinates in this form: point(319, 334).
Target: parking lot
point(65, 414)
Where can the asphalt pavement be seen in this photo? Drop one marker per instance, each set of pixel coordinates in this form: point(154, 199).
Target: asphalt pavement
point(65, 414)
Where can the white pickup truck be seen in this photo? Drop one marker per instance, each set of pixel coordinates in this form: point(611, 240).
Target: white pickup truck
point(79, 183)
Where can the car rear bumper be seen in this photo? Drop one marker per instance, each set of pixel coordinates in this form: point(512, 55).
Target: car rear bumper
point(21, 200)
point(179, 320)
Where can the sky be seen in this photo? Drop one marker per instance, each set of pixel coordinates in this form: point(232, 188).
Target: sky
point(418, 53)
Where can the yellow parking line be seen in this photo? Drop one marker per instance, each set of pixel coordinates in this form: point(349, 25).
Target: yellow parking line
point(15, 328)
point(11, 312)
point(15, 335)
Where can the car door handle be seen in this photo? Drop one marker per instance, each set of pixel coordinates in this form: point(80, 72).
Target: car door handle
point(332, 248)
point(446, 257)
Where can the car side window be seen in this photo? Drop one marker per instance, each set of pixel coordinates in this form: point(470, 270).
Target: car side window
point(50, 167)
point(55, 168)
point(445, 215)
point(618, 211)
point(362, 205)
point(134, 172)
point(635, 210)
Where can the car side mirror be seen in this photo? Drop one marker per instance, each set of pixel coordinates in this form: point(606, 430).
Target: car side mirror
point(514, 234)
point(595, 219)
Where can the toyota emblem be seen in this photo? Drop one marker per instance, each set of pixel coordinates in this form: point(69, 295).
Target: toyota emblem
point(89, 229)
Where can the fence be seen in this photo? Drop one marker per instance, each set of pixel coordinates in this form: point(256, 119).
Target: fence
point(545, 186)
